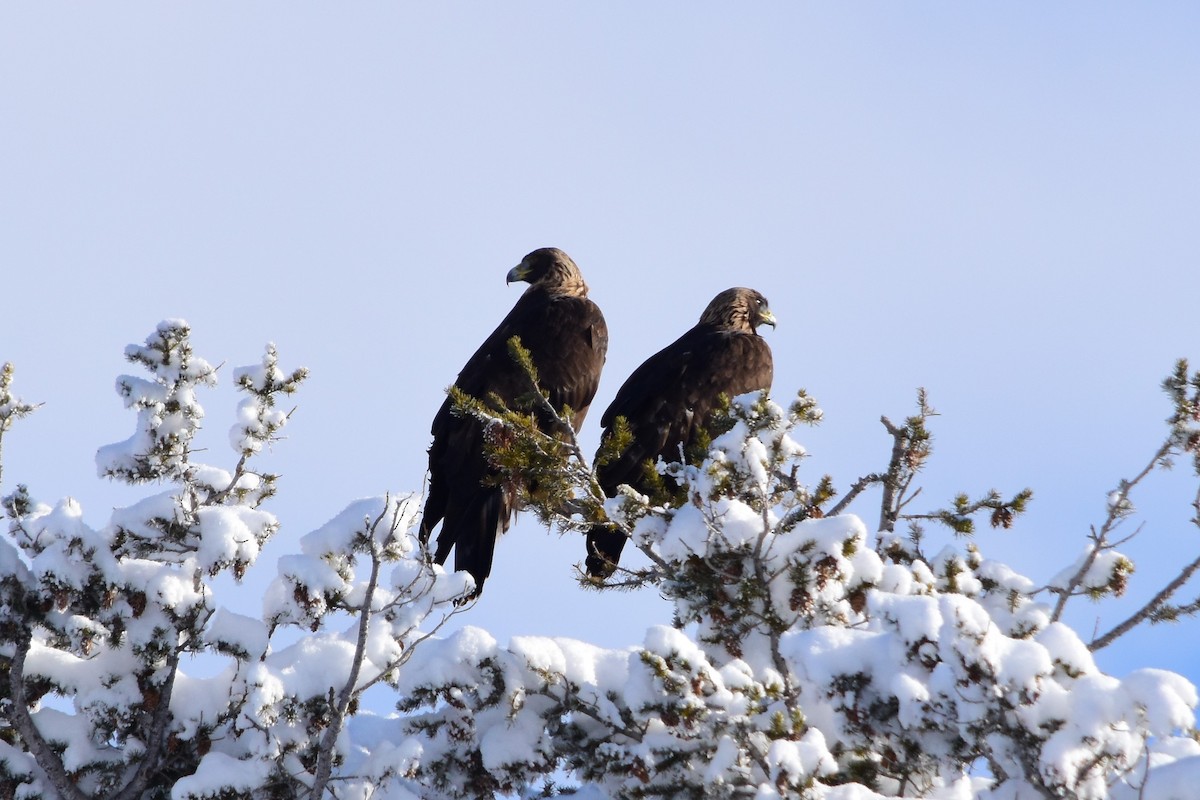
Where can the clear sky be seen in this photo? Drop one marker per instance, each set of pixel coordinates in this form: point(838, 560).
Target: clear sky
point(998, 202)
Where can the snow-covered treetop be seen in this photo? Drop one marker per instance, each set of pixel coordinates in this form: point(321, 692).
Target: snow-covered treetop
point(809, 656)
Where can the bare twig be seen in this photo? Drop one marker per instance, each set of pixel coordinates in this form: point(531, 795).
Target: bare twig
point(855, 490)
point(888, 512)
point(1118, 509)
point(773, 625)
point(348, 691)
point(1148, 609)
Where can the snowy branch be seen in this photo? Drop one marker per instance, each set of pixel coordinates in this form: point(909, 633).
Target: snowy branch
point(11, 409)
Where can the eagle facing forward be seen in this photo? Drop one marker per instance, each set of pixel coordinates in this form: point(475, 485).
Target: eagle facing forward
point(669, 399)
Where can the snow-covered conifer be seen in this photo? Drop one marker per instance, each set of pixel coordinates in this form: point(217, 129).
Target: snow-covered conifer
point(808, 655)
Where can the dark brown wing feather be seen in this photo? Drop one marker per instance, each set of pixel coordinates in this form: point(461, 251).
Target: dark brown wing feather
point(567, 339)
point(666, 401)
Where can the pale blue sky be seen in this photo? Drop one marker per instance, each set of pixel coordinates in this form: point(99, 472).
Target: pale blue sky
point(997, 202)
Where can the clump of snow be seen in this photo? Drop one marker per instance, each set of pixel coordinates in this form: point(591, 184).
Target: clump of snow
point(237, 633)
point(220, 775)
point(1098, 572)
point(793, 761)
point(231, 534)
point(447, 661)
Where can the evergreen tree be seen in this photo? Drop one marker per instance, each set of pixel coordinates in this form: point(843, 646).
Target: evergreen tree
point(809, 656)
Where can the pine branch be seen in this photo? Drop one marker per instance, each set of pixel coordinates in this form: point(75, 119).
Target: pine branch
point(574, 702)
point(888, 513)
point(855, 490)
point(550, 452)
point(11, 409)
point(1155, 609)
point(959, 518)
point(912, 444)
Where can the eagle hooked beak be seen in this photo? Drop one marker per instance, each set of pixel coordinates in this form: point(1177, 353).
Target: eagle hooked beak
point(765, 317)
point(518, 273)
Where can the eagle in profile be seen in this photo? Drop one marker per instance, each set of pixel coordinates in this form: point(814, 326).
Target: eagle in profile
point(567, 339)
point(669, 399)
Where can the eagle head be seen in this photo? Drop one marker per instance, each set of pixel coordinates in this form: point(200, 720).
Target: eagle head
point(550, 268)
point(738, 309)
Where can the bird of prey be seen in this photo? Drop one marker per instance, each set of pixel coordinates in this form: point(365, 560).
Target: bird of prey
point(669, 399)
point(567, 339)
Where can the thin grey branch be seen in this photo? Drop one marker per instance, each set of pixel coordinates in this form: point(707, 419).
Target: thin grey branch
point(348, 691)
point(855, 490)
point(157, 739)
point(50, 762)
point(1149, 608)
point(1117, 510)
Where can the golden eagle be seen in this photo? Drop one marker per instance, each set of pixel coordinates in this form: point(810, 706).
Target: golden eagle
point(567, 339)
point(669, 398)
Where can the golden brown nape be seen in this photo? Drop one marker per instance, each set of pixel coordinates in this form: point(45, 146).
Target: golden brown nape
point(738, 309)
point(551, 269)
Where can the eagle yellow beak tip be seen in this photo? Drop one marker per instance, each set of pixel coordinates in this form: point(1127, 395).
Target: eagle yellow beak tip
point(515, 274)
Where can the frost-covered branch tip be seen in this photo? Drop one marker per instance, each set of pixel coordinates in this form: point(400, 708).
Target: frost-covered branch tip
point(259, 421)
point(169, 413)
point(12, 408)
point(365, 565)
point(259, 424)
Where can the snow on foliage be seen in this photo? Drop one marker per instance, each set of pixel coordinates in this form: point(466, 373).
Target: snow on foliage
point(808, 657)
point(812, 663)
